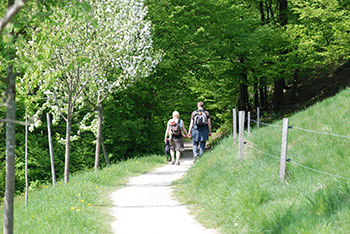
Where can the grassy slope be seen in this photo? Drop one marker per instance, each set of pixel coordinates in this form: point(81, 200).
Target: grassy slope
point(80, 206)
point(249, 198)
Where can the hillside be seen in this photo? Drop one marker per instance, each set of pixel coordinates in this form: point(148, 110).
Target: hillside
point(248, 197)
point(321, 85)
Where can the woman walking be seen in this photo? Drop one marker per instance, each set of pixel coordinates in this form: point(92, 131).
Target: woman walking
point(176, 131)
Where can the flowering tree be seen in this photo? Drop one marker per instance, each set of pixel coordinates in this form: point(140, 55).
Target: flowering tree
point(59, 64)
point(121, 51)
point(88, 49)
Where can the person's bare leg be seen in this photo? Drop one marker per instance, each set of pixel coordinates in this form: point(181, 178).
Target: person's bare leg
point(178, 154)
point(172, 154)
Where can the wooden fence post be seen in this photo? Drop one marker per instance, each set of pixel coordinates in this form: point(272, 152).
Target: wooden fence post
point(258, 117)
point(248, 124)
point(26, 162)
point(241, 135)
point(234, 130)
point(284, 150)
point(51, 150)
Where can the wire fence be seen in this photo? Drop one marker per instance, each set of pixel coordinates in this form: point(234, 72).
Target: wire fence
point(258, 122)
point(295, 163)
point(302, 129)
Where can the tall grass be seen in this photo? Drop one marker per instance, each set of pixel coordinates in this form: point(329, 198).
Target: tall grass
point(80, 206)
point(247, 196)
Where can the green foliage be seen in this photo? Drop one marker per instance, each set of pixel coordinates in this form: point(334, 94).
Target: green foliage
point(247, 196)
point(134, 121)
point(211, 46)
point(320, 31)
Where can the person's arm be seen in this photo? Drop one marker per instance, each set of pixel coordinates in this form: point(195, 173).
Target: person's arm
point(184, 129)
point(190, 129)
point(166, 133)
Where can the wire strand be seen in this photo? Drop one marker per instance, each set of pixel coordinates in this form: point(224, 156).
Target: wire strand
point(322, 172)
point(321, 133)
point(260, 151)
point(298, 164)
point(303, 129)
point(266, 124)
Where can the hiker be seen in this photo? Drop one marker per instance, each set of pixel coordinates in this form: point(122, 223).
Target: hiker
point(176, 130)
point(200, 129)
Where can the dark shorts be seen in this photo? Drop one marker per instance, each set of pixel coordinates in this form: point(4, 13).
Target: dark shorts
point(177, 144)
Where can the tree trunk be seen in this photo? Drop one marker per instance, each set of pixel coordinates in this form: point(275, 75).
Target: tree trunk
point(278, 99)
point(283, 10)
point(68, 133)
point(293, 96)
point(263, 97)
point(105, 152)
point(266, 103)
point(98, 136)
point(256, 95)
point(262, 14)
point(10, 151)
point(51, 149)
point(243, 96)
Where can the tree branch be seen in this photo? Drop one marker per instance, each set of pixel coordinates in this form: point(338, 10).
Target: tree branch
point(109, 91)
point(88, 100)
point(77, 94)
point(58, 106)
point(31, 120)
point(11, 12)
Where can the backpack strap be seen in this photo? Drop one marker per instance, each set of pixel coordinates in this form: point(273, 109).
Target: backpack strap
point(178, 122)
point(197, 112)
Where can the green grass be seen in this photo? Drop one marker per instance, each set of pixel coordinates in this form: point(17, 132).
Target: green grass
point(80, 206)
point(248, 197)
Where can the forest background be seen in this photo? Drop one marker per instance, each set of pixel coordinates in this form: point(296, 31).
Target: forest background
point(279, 55)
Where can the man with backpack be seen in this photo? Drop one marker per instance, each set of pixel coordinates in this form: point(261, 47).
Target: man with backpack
point(200, 129)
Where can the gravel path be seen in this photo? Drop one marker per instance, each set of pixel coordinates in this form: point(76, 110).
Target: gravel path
point(146, 205)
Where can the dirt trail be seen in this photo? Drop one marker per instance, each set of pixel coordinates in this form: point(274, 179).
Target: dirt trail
point(146, 205)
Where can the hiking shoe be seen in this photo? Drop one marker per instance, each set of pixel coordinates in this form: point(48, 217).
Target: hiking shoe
point(178, 163)
point(195, 158)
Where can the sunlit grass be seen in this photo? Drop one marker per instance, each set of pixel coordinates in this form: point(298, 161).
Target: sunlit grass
point(248, 197)
point(79, 207)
